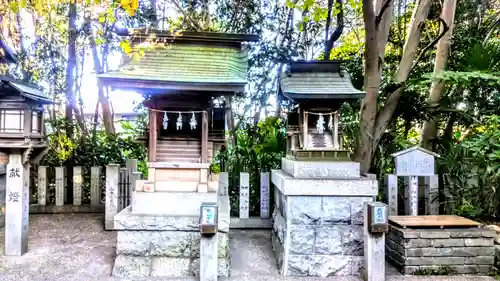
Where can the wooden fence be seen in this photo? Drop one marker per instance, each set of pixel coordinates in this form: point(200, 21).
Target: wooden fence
point(95, 189)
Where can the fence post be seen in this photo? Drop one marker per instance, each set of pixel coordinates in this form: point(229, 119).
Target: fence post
point(244, 195)
point(77, 186)
point(264, 195)
point(42, 185)
point(391, 182)
point(224, 184)
point(131, 164)
point(134, 177)
point(112, 175)
point(60, 187)
point(95, 186)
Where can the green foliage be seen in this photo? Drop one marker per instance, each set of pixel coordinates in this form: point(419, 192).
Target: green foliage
point(471, 171)
point(259, 148)
point(442, 270)
point(101, 150)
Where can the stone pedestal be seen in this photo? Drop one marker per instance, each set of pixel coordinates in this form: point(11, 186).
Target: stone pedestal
point(158, 235)
point(318, 217)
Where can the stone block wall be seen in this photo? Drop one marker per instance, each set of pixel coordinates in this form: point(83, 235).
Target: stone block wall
point(465, 251)
point(318, 235)
point(164, 254)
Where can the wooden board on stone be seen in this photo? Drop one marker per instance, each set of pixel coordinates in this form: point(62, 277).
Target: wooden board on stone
point(444, 221)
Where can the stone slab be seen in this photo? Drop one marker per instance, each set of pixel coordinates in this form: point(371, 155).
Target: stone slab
point(126, 220)
point(321, 169)
point(172, 244)
point(289, 185)
point(178, 165)
point(170, 203)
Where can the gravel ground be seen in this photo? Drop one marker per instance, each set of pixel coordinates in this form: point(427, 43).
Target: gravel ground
point(74, 247)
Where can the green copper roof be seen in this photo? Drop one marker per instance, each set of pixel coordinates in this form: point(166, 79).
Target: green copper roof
point(186, 63)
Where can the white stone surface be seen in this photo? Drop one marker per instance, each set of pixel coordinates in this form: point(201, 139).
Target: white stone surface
point(324, 187)
point(208, 258)
point(178, 165)
point(60, 186)
point(415, 162)
point(432, 193)
point(112, 173)
point(244, 195)
point(264, 195)
point(374, 253)
point(95, 186)
point(42, 185)
point(392, 194)
point(16, 207)
point(126, 220)
point(223, 184)
point(77, 186)
point(413, 197)
point(321, 169)
point(170, 203)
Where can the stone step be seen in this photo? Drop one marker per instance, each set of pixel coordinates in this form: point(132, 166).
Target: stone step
point(170, 203)
point(186, 186)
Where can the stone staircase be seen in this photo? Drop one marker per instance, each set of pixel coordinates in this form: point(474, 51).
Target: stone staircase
point(320, 140)
point(181, 151)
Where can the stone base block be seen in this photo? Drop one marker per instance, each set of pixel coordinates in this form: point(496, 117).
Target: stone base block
point(321, 169)
point(170, 203)
point(173, 244)
point(318, 243)
point(133, 267)
point(464, 251)
point(288, 185)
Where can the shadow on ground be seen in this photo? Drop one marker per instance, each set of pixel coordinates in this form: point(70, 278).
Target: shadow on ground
point(74, 247)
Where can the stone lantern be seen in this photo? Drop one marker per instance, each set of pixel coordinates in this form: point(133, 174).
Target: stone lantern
point(22, 142)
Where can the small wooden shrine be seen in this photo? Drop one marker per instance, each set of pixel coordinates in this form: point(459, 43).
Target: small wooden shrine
point(318, 89)
point(187, 81)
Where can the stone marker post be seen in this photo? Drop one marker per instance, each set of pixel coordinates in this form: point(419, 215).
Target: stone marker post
point(374, 245)
point(244, 195)
point(42, 185)
point(60, 186)
point(112, 174)
point(77, 186)
point(17, 206)
point(264, 195)
point(95, 186)
point(208, 258)
point(224, 183)
point(411, 164)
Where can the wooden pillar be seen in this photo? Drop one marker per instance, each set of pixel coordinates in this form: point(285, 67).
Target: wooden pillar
point(336, 130)
point(153, 135)
point(305, 129)
point(204, 137)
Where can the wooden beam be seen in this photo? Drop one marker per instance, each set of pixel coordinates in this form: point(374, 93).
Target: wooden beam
point(336, 144)
point(153, 135)
point(305, 129)
point(204, 138)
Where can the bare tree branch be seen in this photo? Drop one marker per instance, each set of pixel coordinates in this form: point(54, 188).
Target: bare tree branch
point(386, 5)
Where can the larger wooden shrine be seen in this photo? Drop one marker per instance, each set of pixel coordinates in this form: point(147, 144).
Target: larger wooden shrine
point(317, 89)
point(187, 81)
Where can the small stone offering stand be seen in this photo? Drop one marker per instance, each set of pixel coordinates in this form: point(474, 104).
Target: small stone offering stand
point(416, 243)
point(319, 193)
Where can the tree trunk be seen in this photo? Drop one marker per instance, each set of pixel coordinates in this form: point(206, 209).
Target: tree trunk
point(430, 130)
point(373, 123)
point(107, 117)
point(70, 89)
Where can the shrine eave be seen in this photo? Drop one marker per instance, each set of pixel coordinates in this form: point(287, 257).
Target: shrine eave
point(139, 35)
point(28, 91)
point(302, 97)
point(144, 85)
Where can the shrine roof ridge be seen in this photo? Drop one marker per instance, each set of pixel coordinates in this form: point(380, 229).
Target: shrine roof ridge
point(315, 66)
point(408, 150)
point(142, 34)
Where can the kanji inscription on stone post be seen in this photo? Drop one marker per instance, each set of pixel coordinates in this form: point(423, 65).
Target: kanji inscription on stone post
point(244, 195)
point(264, 195)
point(17, 210)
